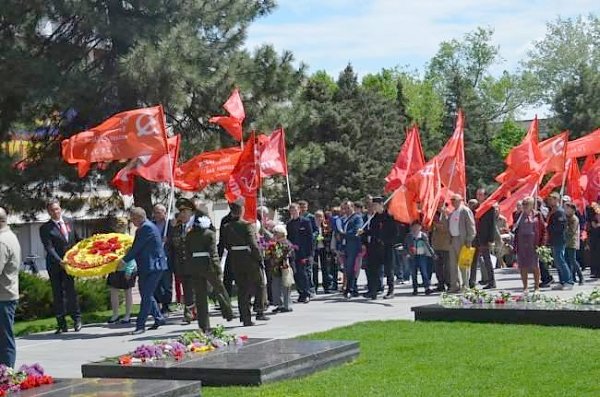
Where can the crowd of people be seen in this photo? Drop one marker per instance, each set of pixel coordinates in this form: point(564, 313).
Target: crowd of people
point(326, 251)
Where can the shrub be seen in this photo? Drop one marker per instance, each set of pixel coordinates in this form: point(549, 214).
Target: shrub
point(35, 299)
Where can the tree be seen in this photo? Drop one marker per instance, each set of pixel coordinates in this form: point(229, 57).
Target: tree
point(577, 105)
point(569, 45)
point(102, 57)
point(460, 72)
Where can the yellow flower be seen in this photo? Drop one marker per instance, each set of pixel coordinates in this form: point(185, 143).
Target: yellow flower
point(97, 255)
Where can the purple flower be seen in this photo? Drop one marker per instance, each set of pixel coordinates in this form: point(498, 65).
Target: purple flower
point(32, 370)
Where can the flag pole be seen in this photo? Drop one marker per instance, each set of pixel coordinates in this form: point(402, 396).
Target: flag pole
point(287, 173)
point(564, 179)
point(171, 173)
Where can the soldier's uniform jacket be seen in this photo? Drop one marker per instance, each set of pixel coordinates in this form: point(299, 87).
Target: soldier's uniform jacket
point(239, 239)
point(178, 251)
point(201, 252)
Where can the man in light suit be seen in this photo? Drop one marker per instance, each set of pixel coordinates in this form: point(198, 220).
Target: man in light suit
point(461, 224)
point(58, 235)
point(149, 254)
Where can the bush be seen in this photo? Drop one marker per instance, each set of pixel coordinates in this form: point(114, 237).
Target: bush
point(35, 299)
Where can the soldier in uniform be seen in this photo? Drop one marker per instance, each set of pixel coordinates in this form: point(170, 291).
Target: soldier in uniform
point(239, 239)
point(203, 266)
point(183, 225)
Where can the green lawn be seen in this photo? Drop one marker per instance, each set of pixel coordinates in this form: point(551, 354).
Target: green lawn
point(49, 324)
point(403, 358)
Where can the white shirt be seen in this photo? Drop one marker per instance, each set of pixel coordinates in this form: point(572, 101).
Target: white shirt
point(454, 223)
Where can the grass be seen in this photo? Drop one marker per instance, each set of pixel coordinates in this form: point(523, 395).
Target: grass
point(403, 358)
point(22, 328)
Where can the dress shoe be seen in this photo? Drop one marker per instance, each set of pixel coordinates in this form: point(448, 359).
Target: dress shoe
point(490, 286)
point(138, 331)
point(61, 330)
point(481, 282)
point(306, 300)
point(284, 310)
point(157, 324)
point(428, 291)
point(415, 292)
point(276, 310)
point(389, 295)
point(262, 317)
point(77, 326)
point(248, 324)
point(355, 294)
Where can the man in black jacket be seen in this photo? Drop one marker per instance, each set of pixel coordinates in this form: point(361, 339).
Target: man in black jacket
point(300, 233)
point(486, 235)
point(58, 235)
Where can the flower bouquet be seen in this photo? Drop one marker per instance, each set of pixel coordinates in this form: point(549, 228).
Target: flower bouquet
point(27, 377)
point(176, 349)
point(97, 255)
point(544, 254)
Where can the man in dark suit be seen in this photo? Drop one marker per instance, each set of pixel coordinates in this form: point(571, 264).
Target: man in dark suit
point(300, 233)
point(486, 235)
point(58, 235)
point(149, 254)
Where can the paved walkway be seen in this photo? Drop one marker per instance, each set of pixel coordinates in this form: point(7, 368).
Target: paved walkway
point(63, 355)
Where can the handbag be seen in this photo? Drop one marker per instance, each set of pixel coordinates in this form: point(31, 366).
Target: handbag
point(287, 276)
point(465, 257)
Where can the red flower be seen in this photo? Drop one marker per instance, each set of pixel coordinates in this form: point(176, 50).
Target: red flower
point(125, 360)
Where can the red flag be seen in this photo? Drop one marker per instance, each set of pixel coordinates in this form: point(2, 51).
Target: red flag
point(207, 168)
point(592, 190)
point(553, 183)
point(584, 146)
point(410, 159)
point(245, 180)
point(272, 154)
point(588, 164)
point(229, 124)
point(451, 160)
point(126, 135)
point(555, 150)
point(402, 206)
point(234, 106)
point(525, 159)
point(157, 168)
point(529, 188)
point(233, 122)
point(427, 186)
point(573, 184)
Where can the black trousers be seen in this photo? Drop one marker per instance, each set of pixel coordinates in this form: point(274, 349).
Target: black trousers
point(64, 295)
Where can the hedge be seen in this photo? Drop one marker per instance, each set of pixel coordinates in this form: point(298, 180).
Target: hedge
point(35, 299)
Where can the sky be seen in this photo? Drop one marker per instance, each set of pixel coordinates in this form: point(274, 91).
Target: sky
point(376, 34)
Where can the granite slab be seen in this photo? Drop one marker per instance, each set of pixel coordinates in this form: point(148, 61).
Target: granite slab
point(256, 362)
point(94, 387)
point(510, 314)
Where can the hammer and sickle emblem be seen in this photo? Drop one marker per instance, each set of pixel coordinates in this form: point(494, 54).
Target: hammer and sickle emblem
point(558, 147)
point(146, 124)
point(596, 181)
point(249, 180)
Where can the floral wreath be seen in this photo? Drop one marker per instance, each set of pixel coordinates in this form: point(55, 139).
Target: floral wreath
point(97, 255)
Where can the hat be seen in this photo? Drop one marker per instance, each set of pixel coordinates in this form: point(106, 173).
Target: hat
point(184, 204)
point(378, 200)
point(566, 198)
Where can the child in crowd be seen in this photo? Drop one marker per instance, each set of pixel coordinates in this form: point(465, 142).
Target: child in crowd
point(419, 252)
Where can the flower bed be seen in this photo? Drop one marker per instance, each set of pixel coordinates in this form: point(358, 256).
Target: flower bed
point(589, 300)
point(97, 255)
point(27, 377)
point(178, 348)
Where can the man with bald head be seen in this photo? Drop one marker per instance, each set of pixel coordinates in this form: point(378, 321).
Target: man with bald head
point(461, 224)
point(10, 259)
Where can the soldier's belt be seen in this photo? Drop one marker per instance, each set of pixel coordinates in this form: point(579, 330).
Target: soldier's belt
point(240, 248)
point(200, 254)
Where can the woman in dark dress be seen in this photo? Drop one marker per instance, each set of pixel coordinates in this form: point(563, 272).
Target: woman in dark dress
point(529, 235)
point(594, 241)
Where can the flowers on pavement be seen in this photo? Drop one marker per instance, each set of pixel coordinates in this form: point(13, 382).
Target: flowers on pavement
point(26, 377)
point(178, 348)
